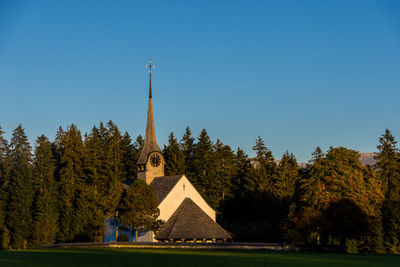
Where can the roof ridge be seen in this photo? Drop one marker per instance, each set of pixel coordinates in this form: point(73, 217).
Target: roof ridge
point(163, 185)
point(175, 219)
point(190, 221)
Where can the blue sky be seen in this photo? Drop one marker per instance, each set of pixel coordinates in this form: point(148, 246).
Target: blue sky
point(298, 73)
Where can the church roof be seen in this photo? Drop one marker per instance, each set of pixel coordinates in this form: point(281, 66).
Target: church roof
point(163, 185)
point(150, 142)
point(189, 221)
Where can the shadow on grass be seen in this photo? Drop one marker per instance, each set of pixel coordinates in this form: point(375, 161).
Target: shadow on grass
point(185, 257)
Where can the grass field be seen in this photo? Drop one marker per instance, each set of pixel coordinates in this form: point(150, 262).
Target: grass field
point(178, 257)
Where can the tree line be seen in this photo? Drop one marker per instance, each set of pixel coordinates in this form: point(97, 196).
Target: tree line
point(63, 190)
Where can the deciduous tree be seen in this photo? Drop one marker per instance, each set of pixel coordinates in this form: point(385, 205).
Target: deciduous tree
point(138, 207)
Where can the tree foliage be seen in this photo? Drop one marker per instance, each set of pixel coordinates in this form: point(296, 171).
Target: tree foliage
point(388, 169)
point(174, 157)
point(71, 186)
point(138, 207)
point(20, 197)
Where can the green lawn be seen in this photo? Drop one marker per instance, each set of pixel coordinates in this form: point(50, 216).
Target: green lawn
point(178, 257)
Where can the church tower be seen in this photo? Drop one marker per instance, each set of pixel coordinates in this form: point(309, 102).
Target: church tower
point(151, 161)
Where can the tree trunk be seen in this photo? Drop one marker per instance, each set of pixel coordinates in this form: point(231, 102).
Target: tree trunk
point(136, 235)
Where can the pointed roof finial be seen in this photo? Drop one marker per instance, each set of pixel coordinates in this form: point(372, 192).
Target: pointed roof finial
point(150, 66)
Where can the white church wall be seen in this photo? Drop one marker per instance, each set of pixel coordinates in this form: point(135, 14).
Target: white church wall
point(110, 229)
point(183, 189)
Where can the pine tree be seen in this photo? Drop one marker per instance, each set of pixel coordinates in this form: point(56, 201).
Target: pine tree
point(242, 171)
point(388, 165)
point(237, 202)
point(113, 168)
point(264, 171)
point(58, 150)
point(3, 151)
point(205, 169)
point(225, 169)
point(19, 219)
point(316, 155)
point(261, 150)
point(72, 187)
point(287, 176)
point(4, 182)
point(188, 147)
point(174, 157)
point(139, 143)
point(4, 170)
point(130, 155)
point(388, 168)
point(45, 212)
point(285, 189)
point(95, 180)
point(104, 170)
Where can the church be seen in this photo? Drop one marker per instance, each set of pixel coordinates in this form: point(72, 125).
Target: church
point(187, 215)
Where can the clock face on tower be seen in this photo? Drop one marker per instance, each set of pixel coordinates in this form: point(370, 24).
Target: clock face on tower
point(155, 160)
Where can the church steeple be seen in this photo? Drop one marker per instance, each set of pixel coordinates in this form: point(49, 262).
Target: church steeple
point(151, 162)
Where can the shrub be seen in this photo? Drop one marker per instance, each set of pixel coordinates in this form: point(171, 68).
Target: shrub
point(83, 237)
point(123, 238)
point(351, 246)
point(293, 237)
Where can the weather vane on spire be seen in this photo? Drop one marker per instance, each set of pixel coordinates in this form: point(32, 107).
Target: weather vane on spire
point(150, 66)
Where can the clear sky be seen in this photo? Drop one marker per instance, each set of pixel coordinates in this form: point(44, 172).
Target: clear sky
point(298, 73)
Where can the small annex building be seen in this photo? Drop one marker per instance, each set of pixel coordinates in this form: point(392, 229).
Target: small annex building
point(188, 216)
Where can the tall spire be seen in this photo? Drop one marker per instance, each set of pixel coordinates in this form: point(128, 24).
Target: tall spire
point(150, 67)
point(150, 142)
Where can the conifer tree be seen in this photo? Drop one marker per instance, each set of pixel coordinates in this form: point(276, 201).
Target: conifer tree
point(388, 168)
point(285, 189)
point(4, 182)
point(174, 157)
point(188, 147)
point(139, 143)
point(388, 165)
point(242, 171)
point(316, 155)
point(263, 174)
point(225, 169)
point(261, 150)
point(287, 176)
point(57, 150)
point(130, 155)
point(105, 171)
point(45, 212)
point(95, 180)
point(3, 177)
point(113, 168)
point(19, 219)
point(72, 188)
point(205, 167)
point(237, 202)
point(260, 212)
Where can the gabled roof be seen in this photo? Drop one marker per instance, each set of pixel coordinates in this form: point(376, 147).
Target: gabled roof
point(163, 185)
point(189, 221)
